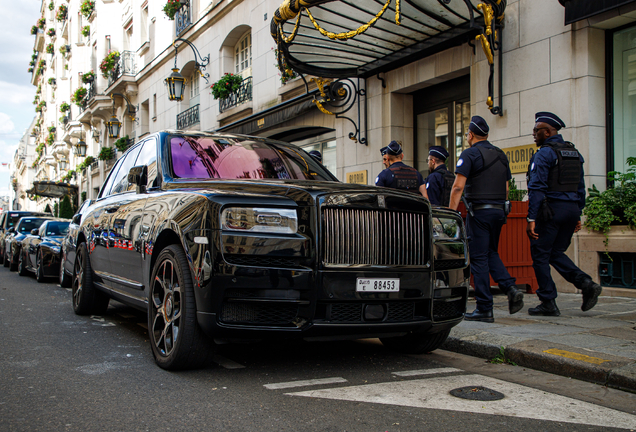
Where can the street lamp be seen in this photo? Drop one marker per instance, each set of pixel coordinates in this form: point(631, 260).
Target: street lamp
point(80, 148)
point(114, 127)
point(62, 163)
point(176, 82)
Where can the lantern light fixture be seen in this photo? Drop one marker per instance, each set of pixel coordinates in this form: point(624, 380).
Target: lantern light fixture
point(176, 82)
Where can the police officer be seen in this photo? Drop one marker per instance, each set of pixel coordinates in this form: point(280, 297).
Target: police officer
point(398, 175)
point(440, 180)
point(556, 191)
point(484, 172)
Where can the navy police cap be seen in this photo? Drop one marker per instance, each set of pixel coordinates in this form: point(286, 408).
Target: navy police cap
point(478, 126)
point(549, 118)
point(393, 149)
point(438, 152)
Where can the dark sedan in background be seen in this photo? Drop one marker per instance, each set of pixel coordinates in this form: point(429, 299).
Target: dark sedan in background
point(13, 243)
point(41, 250)
point(8, 220)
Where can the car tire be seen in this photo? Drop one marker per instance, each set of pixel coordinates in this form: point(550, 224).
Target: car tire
point(22, 271)
point(13, 262)
point(5, 259)
point(87, 299)
point(176, 339)
point(416, 343)
point(39, 267)
point(64, 279)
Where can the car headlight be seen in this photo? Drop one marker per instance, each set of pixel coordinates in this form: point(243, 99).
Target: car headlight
point(446, 229)
point(268, 220)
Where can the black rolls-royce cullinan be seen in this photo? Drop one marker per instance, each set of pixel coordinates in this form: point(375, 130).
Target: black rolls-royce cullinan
point(41, 250)
point(221, 238)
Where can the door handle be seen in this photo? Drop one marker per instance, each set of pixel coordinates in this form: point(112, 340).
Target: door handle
point(112, 209)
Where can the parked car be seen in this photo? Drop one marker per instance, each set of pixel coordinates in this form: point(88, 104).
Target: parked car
point(13, 243)
point(41, 250)
point(8, 220)
point(69, 247)
point(226, 237)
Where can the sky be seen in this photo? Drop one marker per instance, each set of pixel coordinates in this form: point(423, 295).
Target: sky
point(16, 92)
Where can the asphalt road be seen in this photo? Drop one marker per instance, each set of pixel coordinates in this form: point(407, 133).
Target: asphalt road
point(63, 372)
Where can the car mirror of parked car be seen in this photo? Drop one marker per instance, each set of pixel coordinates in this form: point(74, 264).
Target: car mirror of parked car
point(11, 230)
point(138, 175)
point(35, 231)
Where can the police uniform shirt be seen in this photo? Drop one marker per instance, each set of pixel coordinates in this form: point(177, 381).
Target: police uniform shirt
point(540, 164)
point(385, 178)
point(471, 161)
point(435, 185)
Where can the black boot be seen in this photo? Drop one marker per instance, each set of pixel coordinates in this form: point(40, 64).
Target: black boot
point(515, 298)
point(477, 315)
point(591, 291)
point(546, 308)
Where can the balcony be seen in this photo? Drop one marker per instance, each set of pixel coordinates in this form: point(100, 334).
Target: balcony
point(188, 118)
point(242, 95)
point(183, 19)
point(90, 94)
point(124, 67)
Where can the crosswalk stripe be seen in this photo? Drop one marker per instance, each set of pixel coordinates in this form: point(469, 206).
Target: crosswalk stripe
point(305, 383)
point(426, 372)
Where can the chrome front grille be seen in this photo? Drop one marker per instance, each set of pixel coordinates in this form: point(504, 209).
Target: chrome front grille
point(374, 237)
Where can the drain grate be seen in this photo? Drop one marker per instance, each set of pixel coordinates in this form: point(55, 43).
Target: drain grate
point(477, 393)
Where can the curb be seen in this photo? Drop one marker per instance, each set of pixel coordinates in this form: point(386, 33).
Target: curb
point(618, 372)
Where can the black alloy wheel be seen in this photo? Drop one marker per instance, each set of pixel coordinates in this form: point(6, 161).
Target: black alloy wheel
point(87, 299)
point(176, 339)
point(22, 271)
point(64, 279)
point(39, 267)
point(416, 343)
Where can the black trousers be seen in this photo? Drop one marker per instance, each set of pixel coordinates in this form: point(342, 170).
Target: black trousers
point(549, 249)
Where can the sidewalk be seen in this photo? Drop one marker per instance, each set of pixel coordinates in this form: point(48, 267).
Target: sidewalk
point(598, 345)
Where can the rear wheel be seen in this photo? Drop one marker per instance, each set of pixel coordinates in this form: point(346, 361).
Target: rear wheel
point(87, 299)
point(39, 267)
point(177, 340)
point(64, 279)
point(22, 271)
point(416, 343)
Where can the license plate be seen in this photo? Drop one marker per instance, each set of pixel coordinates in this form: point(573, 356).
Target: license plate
point(377, 285)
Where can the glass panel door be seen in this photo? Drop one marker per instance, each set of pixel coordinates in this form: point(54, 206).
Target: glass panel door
point(432, 130)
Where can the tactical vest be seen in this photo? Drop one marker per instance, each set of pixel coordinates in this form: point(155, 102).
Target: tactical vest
point(566, 174)
point(489, 182)
point(405, 178)
point(449, 179)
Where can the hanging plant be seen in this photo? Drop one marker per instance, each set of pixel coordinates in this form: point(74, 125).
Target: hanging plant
point(106, 153)
point(52, 81)
point(64, 107)
point(122, 143)
point(78, 96)
point(36, 100)
point(51, 32)
point(227, 85)
point(50, 139)
point(171, 8)
point(88, 77)
point(41, 23)
point(89, 160)
point(50, 48)
point(40, 106)
point(51, 129)
point(86, 31)
point(65, 49)
point(30, 70)
point(34, 30)
point(87, 7)
point(286, 74)
point(109, 62)
point(51, 6)
point(62, 13)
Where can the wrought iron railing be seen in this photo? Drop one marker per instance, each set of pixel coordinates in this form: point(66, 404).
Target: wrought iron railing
point(183, 19)
point(242, 95)
point(90, 94)
point(188, 117)
point(125, 66)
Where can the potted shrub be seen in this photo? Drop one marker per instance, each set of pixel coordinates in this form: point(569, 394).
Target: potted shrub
point(63, 119)
point(51, 5)
point(51, 32)
point(62, 12)
point(89, 160)
point(50, 139)
point(87, 7)
point(30, 70)
point(171, 7)
point(64, 107)
point(65, 49)
point(34, 30)
point(122, 143)
point(106, 153)
point(79, 95)
point(50, 48)
point(51, 129)
point(40, 106)
point(109, 62)
point(227, 85)
point(41, 23)
point(86, 31)
point(52, 81)
point(88, 77)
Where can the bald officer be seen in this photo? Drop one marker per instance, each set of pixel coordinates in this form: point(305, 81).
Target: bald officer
point(440, 181)
point(398, 175)
point(484, 172)
point(556, 194)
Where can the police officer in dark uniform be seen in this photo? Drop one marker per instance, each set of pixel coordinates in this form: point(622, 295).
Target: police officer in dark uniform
point(556, 191)
point(440, 180)
point(484, 172)
point(397, 174)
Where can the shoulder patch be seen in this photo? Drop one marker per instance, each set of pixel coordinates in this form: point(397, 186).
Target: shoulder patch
point(376, 179)
point(532, 167)
point(427, 185)
point(460, 162)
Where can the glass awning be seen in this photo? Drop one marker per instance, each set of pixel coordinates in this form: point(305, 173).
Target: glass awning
point(51, 189)
point(577, 10)
point(361, 38)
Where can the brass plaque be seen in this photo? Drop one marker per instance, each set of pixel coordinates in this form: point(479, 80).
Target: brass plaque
point(358, 177)
point(519, 157)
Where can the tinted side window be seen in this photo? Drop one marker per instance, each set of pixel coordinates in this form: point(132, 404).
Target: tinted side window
point(111, 178)
point(120, 183)
point(148, 157)
point(2, 220)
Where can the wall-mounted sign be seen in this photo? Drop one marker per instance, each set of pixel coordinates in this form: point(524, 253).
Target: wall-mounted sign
point(519, 157)
point(358, 177)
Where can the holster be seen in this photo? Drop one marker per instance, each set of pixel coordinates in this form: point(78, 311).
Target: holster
point(545, 211)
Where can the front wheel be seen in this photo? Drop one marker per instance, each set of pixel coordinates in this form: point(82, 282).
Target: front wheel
point(39, 269)
point(177, 340)
point(22, 271)
point(13, 262)
point(416, 343)
point(87, 300)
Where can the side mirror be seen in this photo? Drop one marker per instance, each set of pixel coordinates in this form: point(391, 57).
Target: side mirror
point(138, 175)
point(35, 231)
point(12, 230)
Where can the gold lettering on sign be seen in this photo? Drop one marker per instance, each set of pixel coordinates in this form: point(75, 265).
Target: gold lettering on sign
point(519, 157)
point(260, 122)
point(358, 177)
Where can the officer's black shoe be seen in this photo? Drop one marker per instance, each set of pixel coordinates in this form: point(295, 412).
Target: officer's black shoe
point(546, 308)
point(515, 299)
point(477, 315)
point(591, 291)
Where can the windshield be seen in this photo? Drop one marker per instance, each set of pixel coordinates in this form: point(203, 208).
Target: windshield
point(56, 228)
point(228, 158)
point(27, 224)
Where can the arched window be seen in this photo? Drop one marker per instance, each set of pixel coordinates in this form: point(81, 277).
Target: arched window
point(243, 55)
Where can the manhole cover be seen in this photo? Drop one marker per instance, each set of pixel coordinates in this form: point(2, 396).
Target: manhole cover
point(477, 393)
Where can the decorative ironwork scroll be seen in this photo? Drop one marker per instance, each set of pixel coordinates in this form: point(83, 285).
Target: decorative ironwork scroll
point(490, 39)
point(201, 62)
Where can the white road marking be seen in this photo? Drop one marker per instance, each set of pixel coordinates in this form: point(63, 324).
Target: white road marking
point(520, 401)
point(226, 362)
point(305, 383)
point(102, 322)
point(426, 372)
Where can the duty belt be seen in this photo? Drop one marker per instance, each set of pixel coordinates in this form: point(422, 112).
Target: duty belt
point(488, 206)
